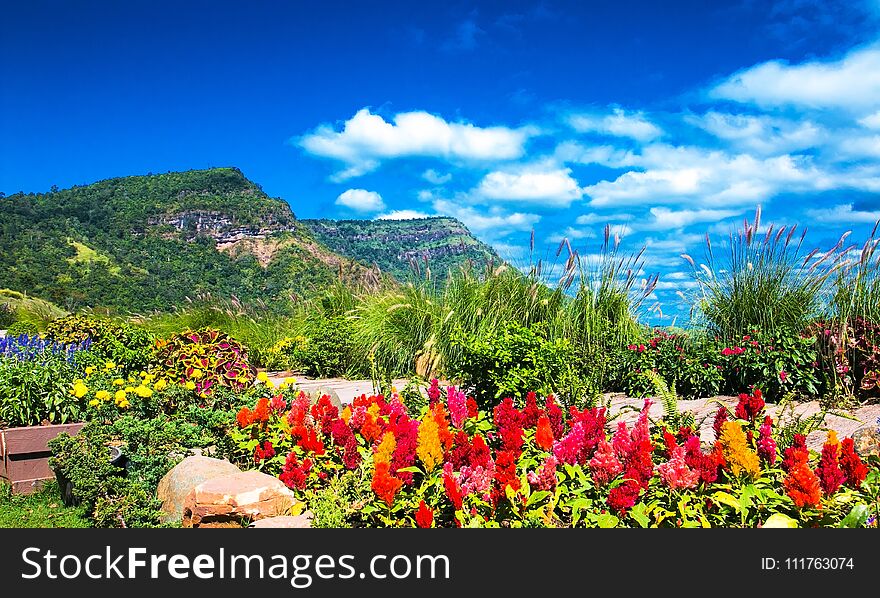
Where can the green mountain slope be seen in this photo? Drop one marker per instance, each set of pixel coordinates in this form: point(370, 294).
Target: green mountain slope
point(148, 242)
point(404, 247)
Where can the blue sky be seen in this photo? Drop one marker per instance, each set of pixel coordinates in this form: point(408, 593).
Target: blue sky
point(665, 120)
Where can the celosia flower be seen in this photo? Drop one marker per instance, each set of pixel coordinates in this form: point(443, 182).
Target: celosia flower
point(721, 416)
point(461, 450)
point(670, 442)
point(544, 433)
point(622, 441)
point(324, 412)
point(450, 484)
point(457, 403)
point(443, 433)
point(310, 442)
point(675, 473)
point(554, 413)
point(371, 430)
point(384, 484)
point(571, 448)
point(505, 475)
point(803, 487)
point(385, 449)
point(545, 478)
point(261, 412)
point(429, 450)
point(472, 410)
point(480, 455)
point(531, 412)
point(750, 406)
point(295, 474)
point(797, 454)
point(278, 404)
point(853, 469)
point(434, 392)
point(604, 466)
point(624, 497)
point(740, 458)
point(244, 417)
point(266, 451)
point(406, 436)
point(766, 445)
point(477, 479)
point(828, 471)
point(697, 460)
point(344, 438)
point(424, 516)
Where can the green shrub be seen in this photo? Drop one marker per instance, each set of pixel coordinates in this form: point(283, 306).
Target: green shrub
point(515, 360)
point(207, 359)
point(124, 344)
point(19, 328)
point(37, 390)
point(328, 350)
point(7, 316)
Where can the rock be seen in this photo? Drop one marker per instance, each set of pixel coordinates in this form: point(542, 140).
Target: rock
point(285, 521)
point(183, 477)
point(867, 441)
point(238, 498)
point(316, 393)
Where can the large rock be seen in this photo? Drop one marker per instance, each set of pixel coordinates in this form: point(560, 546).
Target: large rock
point(186, 475)
point(285, 521)
point(236, 499)
point(867, 440)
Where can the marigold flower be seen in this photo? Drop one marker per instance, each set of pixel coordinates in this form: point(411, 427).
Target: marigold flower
point(119, 396)
point(429, 450)
point(384, 484)
point(740, 458)
point(262, 377)
point(424, 516)
point(94, 403)
point(803, 487)
point(544, 433)
point(79, 389)
point(604, 466)
point(102, 395)
point(851, 464)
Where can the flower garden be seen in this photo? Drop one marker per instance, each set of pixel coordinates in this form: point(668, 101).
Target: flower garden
point(522, 435)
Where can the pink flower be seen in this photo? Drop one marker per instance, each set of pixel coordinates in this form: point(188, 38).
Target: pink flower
point(766, 444)
point(783, 375)
point(604, 465)
point(434, 391)
point(456, 401)
point(545, 478)
point(675, 473)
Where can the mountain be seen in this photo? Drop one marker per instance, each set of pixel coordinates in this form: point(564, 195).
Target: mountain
point(148, 242)
point(143, 243)
point(405, 247)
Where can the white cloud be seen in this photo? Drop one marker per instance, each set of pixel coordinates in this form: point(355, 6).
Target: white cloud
point(435, 178)
point(605, 155)
point(596, 218)
point(843, 214)
point(548, 186)
point(860, 146)
point(872, 121)
point(664, 218)
point(493, 222)
point(618, 124)
point(367, 139)
point(361, 200)
point(851, 83)
point(571, 234)
point(761, 134)
point(403, 215)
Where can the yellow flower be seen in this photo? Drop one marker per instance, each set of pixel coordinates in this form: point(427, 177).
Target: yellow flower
point(160, 385)
point(123, 404)
point(119, 396)
point(90, 370)
point(262, 377)
point(129, 389)
point(190, 385)
point(346, 414)
point(131, 380)
point(832, 438)
point(94, 403)
point(740, 458)
point(119, 382)
point(385, 450)
point(429, 450)
point(290, 381)
point(79, 389)
point(197, 373)
point(109, 365)
point(143, 392)
point(102, 395)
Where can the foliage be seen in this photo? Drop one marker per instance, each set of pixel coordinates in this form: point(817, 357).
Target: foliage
point(119, 342)
point(204, 359)
point(327, 350)
point(20, 328)
point(452, 465)
point(516, 360)
point(7, 316)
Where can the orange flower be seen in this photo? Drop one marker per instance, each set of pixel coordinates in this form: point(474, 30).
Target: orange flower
point(443, 433)
point(544, 433)
point(429, 450)
point(740, 458)
point(261, 412)
point(370, 430)
point(802, 485)
point(244, 417)
point(384, 484)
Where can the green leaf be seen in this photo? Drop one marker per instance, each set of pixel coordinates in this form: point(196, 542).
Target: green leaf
point(639, 513)
point(727, 499)
point(780, 520)
point(607, 520)
point(857, 517)
point(537, 497)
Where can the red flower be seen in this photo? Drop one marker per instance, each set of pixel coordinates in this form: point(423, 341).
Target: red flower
point(267, 451)
point(244, 417)
point(670, 442)
point(749, 406)
point(344, 438)
point(311, 443)
point(324, 412)
point(544, 433)
point(797, 454)
point(531, 412)
point(829, 473)
point(783, 376)
point(545, 479)
point(433, 392)
point(295, 474)
point(384, 484)
point(472, 410)
point(278, 404)
point(424, 516)
point(624, 497)
point(802, 486)
point(720, 417)
point(453, 490)
point(604, 466)
point(480, 455)
point(766, 444)
point(505, 475)
point(371, 430)
point(851, 465)
point(406, 433)
point(555, 415)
